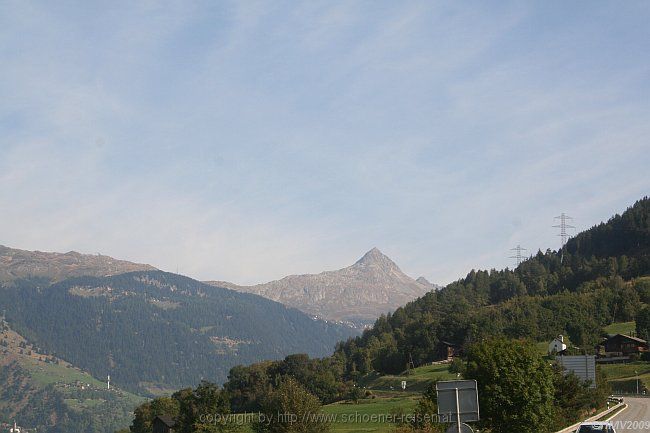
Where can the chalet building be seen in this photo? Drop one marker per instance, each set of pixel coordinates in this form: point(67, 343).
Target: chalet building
point(163, 424)
point(448, 351)
point(624, 345)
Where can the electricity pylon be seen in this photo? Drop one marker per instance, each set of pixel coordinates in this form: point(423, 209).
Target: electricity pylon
point(518, 256)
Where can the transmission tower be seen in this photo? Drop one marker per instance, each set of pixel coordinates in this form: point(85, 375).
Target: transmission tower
point(518, 256)
point(563, 226)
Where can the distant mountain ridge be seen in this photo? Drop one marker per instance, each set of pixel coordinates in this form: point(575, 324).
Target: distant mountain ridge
point(357, 294)
point(54, 267)
point(154, 329)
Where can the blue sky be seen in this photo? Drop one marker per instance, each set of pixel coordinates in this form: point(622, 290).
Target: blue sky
point(249, 140)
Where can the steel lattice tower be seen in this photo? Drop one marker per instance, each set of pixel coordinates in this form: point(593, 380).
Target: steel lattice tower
point(563, 226)
point(518, 256)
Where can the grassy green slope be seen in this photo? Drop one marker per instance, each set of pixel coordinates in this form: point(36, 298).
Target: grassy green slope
point(79, 390)
point(621, 328)
point(623, 377)
point(417, 379)
point(369, 415)
point(388, 400)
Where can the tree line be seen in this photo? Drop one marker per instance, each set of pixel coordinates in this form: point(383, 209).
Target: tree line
point(519, 391)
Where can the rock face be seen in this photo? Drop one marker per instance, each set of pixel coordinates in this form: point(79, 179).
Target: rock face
point(357, 294)
point(55, 267)
point(428, 283)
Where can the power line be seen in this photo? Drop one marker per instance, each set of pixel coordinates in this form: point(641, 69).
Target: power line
point(518, 256)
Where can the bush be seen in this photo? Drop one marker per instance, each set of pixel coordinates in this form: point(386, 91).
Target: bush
point(291, 409)
point(457, 366)
point(516, 388)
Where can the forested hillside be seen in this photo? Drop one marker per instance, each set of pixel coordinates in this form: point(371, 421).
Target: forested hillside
point(593, 282)
point(625, 235)
point(36, 407)
point(152, 330)
point(61, 408)
point(47, 394)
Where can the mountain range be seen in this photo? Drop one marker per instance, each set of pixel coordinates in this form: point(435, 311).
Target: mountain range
point(357, 294)
point(69, 319)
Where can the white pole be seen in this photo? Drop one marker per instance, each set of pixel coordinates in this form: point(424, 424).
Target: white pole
point(458, 412)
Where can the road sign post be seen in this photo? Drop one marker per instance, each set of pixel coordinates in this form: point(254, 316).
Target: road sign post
point(457, 411)
point(458, 404)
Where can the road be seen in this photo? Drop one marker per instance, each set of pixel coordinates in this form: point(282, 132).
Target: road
point(634, 419)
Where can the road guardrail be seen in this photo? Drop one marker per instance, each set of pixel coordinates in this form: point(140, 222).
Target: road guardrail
point(596, 417)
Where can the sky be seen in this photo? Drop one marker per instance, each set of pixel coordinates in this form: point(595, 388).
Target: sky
point(246, 140)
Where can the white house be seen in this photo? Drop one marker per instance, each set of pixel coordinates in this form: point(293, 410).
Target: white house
point(557, 345)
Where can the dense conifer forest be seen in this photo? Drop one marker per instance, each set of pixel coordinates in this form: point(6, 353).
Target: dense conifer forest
point(158, 329)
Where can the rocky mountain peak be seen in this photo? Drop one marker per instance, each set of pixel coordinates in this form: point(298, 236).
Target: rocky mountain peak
point(377, 259)
point(427, 283)
point(357, 294)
